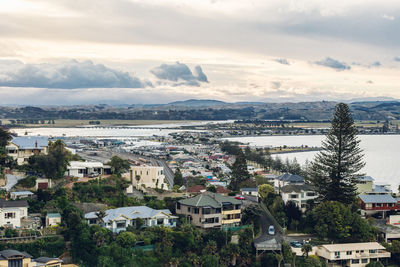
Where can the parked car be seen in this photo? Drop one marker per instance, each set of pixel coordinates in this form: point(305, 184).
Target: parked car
point(271, 230)
point(296, 244)
point(93, 174)
point(240, 197)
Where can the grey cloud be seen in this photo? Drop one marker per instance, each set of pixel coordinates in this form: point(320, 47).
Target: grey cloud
point(375, 64)
point(396, 59)
point(370, 82)
point(180, 74)
point(276, 84)
point(283, 61)
point(333, 63)
point(68, 75)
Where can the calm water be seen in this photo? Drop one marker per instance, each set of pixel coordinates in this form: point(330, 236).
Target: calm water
point(381, 153)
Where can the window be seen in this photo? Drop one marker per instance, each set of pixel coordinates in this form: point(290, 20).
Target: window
point(206, 211)
point(147, 172)
point(9, 215)
point(355, 261)
point(372, 251)
point(349, 252)
point(196, 210)
point(160, 221)
point(310, 194)
point(364, 260)
point(120, 224)
point(237, 206)
point(218, 210)
point(337, 254)
point(178, 206)
point(293, 196)
point(188, 209)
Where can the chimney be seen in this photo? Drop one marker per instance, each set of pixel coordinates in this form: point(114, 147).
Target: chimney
point(36, 143)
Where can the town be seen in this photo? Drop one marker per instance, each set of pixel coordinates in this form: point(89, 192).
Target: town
point(188, 199)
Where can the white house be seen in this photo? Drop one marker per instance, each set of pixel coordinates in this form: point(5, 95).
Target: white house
point(21, 194)
point(11, 212)
point(119, 219)
point(299, 194)
point(286, 179)
point(352, 254)
point(21, 148)
point(252, 191)
point(84, 168)
point(147, 177)
point(53, 219)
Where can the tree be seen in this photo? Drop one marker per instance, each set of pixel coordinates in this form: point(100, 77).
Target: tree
point(279, 259)
point(5, 136)
point(118, 165)
point(212, 188)
point(306, 248)
point(264, 190)
point(100, 216)
point(375, 264)
point(178, 179)
point(335, 169)
point(126, 239)
point(239, 171)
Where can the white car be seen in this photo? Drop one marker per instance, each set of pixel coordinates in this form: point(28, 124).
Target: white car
point(271, 230)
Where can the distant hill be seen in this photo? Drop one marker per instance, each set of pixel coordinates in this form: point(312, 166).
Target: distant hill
point(197, 102)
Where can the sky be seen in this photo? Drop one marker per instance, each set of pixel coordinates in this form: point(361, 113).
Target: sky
point(63, 52)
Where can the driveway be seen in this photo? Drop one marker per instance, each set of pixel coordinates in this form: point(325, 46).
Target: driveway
point(12, 180)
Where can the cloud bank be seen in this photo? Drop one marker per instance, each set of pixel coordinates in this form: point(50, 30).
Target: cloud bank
point(66, 75)
point(180, 74)
point(333, 63)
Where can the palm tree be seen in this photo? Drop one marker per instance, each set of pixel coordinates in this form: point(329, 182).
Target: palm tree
point(100, 216)
point(279, 258)
point(306, 248)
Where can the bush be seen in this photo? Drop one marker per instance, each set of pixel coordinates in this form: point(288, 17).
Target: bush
point(28, 182)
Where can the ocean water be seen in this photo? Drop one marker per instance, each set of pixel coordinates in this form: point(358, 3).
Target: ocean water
point(381, 153)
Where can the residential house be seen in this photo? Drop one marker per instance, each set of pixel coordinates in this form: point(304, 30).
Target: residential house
point(211, 210)
point(146, 177)
point(364, 184)
point(48, 262)
point(23, 147)
point(119, 219)
point(53, 219)
point(352, 254)
point(21, 194)
point(43, 183)
point(84, 168)
point(11, 212)
point(253, 191)
point(373, 203)
point(10, 257)
point(286, 179)
point(299, 194)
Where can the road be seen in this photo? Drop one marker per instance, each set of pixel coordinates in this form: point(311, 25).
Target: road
point(12, 180)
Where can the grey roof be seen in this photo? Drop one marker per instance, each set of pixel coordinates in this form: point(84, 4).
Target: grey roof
point(380, 189)
point(11, 253)
point(12, 204)
point(291, 178)
point(297, 188)
point(377, 199)
point(132, 213)
point(47, 259)
point(209, 199)
point(29, 142)
point(365, 179)
point(249, 189)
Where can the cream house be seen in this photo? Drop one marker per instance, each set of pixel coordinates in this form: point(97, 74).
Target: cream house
point(11, 212)
point(146, 177)
point(23, 147)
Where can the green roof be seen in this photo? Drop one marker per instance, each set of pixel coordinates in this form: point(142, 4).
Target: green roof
point(209, 199)
point(53, 215)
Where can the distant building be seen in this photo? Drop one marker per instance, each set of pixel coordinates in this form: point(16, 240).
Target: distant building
point(372, 204)
point(10, 257)
point(146, 177)
point(364, 184)
point(21, 194)
point(253, 191)
point(287, 179)
point(299, 194)
point(119, 219)
point(23, 147)
point(11, 212)
point(352, 254)
point(211, 210)
point(53, 219)
point(84, 168)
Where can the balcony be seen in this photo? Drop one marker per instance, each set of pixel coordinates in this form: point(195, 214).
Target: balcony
point(382, 208)
point(225, 212)
point(231, 221)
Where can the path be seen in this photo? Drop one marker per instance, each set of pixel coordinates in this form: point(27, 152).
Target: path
point(12, 180)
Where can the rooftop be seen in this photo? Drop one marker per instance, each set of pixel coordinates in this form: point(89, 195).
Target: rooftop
point(353, 246)
point(249, 189)
point(293, 178)
point(377, 199)
point(209, 199)
point(85, 164)
point(366, 179)
point(297, 188)
point(12, 204)
point(132, 213)
point(30, 142)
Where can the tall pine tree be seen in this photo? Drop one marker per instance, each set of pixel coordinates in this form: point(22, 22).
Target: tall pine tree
point(336, 167)
point(239, 171)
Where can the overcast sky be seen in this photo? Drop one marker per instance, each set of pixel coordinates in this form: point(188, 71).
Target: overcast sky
point(158, 51)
